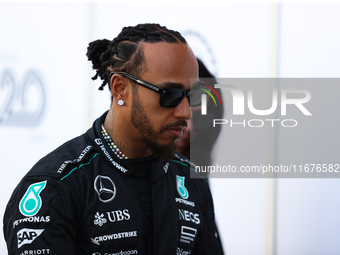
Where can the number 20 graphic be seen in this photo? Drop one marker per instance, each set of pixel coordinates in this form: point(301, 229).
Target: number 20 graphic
point(17, 98)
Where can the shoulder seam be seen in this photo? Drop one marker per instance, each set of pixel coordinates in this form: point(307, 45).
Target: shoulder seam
point(191, 165)
point(185, 160)
point(78, 167)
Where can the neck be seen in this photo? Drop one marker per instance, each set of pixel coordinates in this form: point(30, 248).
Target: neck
point(125, 136)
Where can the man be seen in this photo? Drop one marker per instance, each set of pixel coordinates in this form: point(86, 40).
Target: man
point(119, 188)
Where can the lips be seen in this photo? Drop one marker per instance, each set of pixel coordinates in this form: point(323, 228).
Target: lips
point(176, 131)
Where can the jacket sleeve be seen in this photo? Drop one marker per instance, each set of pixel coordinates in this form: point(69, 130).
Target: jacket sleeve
point(41, 218)
point(208, 240)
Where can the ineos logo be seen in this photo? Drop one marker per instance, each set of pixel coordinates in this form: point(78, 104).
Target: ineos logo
point(105, 188)
point(22, 103)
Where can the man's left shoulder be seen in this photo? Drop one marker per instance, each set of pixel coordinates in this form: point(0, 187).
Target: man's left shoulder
point(182, 163)
point(183, 166)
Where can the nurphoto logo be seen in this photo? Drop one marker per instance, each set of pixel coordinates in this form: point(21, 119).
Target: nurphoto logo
point(243, 101)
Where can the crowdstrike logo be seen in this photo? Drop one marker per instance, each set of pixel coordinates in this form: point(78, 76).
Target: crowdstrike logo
point(97, 240)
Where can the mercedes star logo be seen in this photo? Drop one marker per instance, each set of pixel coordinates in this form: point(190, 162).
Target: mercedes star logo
point(105, 188)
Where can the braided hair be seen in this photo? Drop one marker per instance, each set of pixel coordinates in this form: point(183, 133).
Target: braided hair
point(123, 52)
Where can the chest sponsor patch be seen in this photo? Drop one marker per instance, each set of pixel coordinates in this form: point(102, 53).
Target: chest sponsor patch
point(182, 190)
point(113, 216)
point(99, 219)
point(130, 252)
point(188, 234)
point(180, 251)
point(189, 216)
point(36, 252)
point(104, 238)
point(182, 201)
point(32, 219)
point(31, 202)
point(27, 235)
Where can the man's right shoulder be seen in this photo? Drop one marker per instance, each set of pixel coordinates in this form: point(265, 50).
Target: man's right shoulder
point(62, 160)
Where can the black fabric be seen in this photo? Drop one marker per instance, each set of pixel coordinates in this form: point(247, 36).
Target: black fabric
point(81, 199)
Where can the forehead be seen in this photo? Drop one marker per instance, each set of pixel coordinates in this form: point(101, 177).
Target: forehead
point(169, 62)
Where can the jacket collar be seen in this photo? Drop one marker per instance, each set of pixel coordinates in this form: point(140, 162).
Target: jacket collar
point(148, 167)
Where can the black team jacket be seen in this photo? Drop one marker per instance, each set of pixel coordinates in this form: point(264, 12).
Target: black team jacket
point(82, 199)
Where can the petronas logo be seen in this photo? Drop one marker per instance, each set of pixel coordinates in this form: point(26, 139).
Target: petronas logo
point(182, 190)
point(31, 202)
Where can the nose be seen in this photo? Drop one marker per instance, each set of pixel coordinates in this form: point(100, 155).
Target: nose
point(183, 110)
point(188, 126)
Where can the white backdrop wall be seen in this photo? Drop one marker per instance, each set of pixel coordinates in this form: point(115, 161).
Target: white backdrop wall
point(44, 45)
point(308, 209)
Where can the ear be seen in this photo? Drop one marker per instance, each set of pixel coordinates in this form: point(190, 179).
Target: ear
point(118, 87)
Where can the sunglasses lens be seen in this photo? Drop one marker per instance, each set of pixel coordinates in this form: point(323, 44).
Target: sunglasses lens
point(172, 98)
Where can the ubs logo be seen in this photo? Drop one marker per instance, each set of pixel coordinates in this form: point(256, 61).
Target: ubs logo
point(21, 103)
point(105, 188)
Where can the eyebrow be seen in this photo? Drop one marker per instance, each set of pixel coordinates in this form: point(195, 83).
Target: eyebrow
point(171, 85)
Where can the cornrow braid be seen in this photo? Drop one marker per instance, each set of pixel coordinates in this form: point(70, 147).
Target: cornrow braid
point(123, 52)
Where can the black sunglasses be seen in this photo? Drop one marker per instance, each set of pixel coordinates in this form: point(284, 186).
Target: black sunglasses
point(170, 97)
